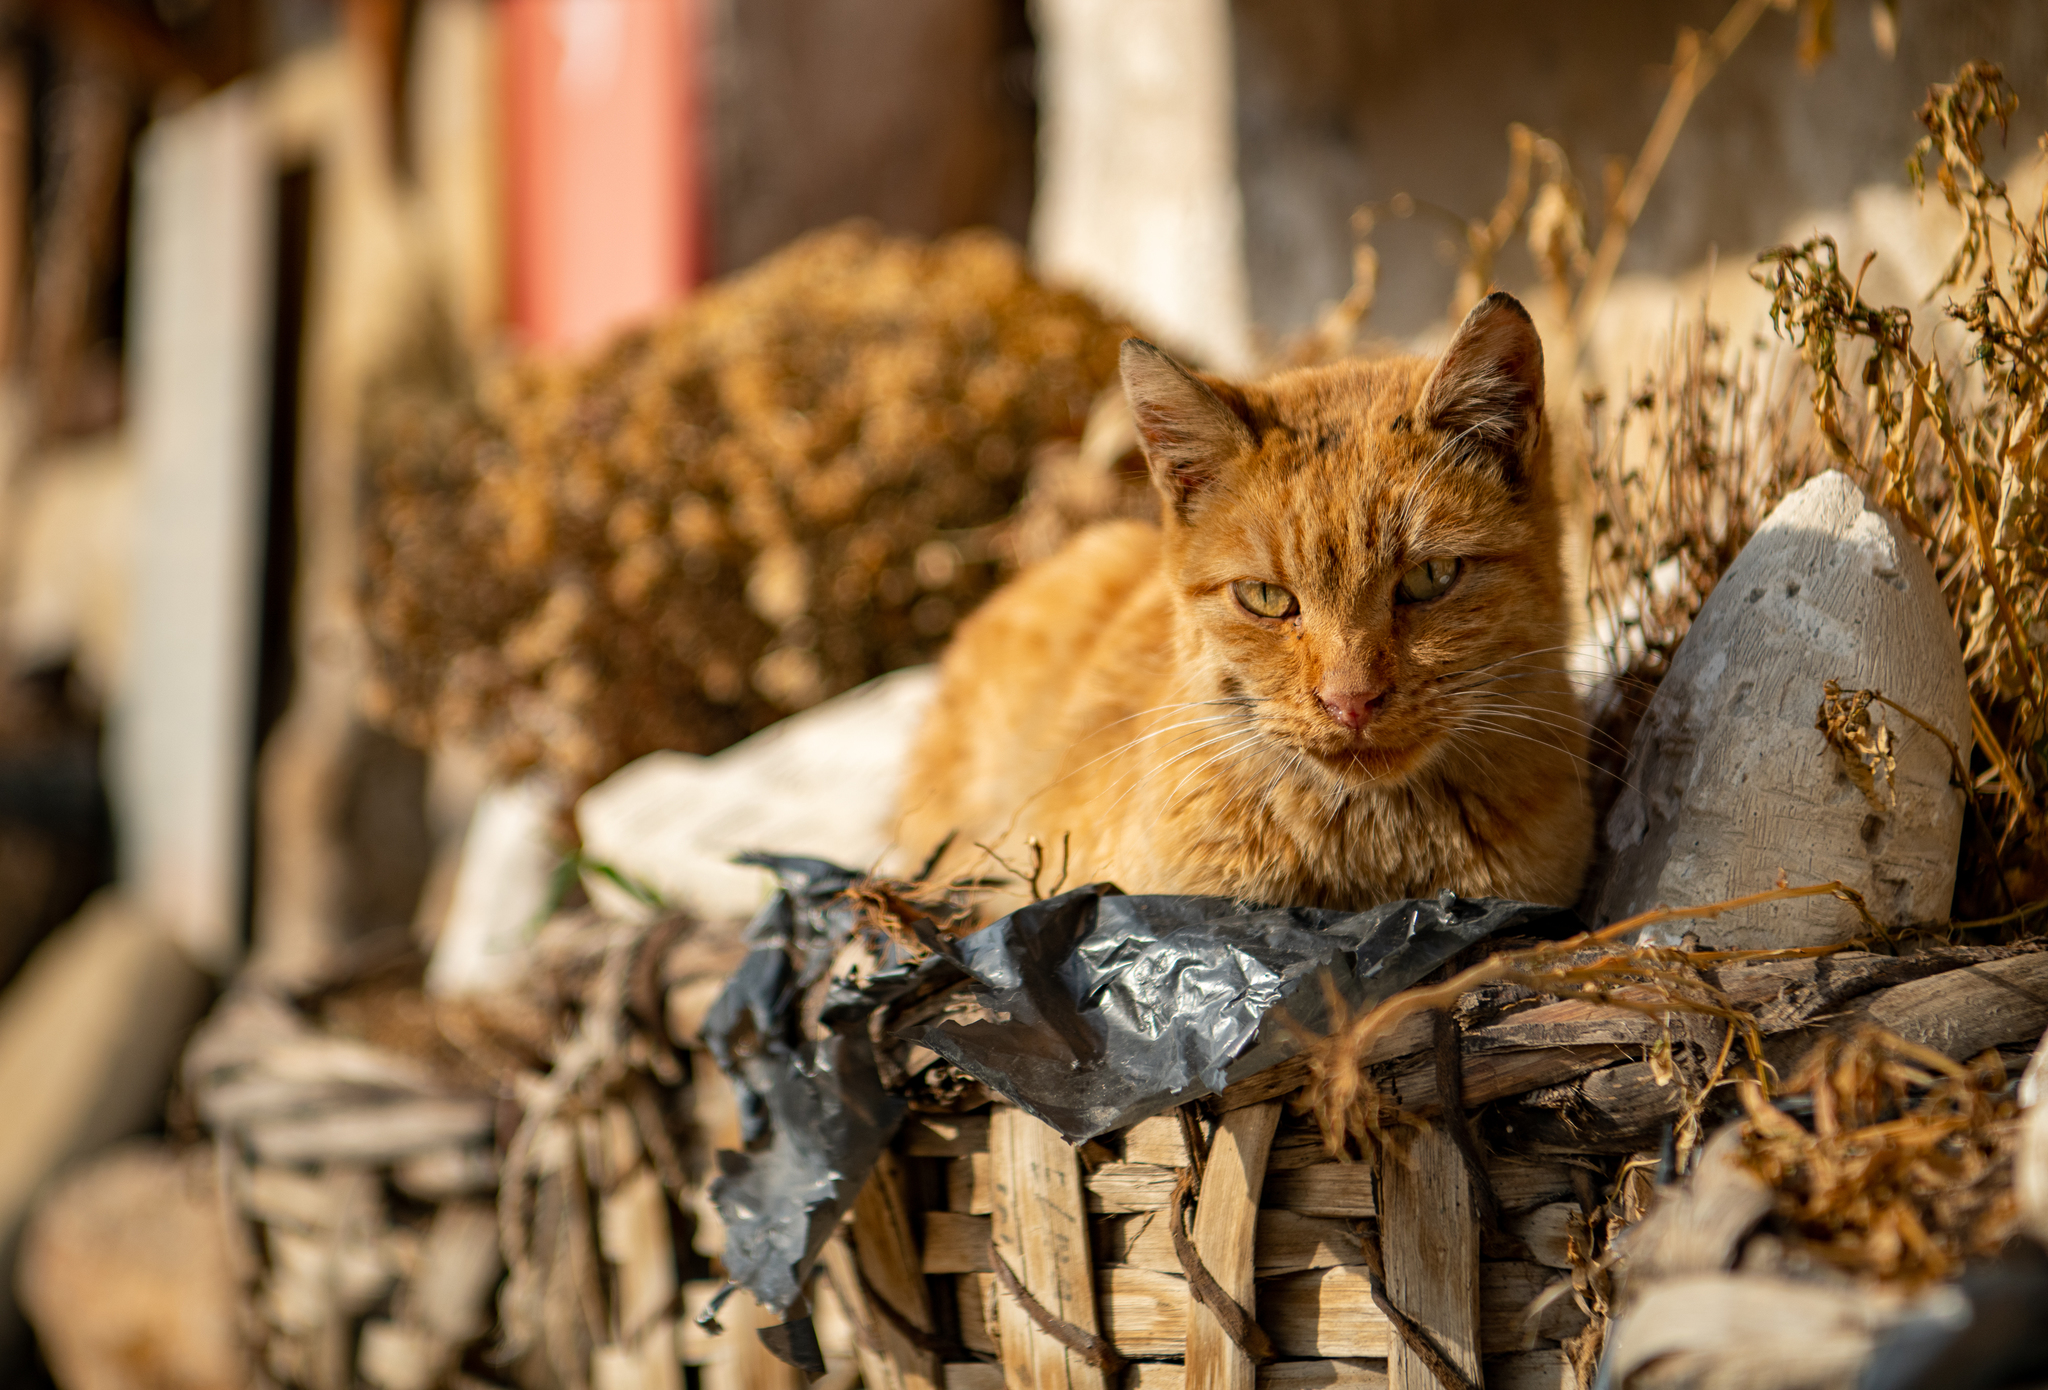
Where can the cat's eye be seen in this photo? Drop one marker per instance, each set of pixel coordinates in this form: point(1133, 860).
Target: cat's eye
point(1426, 581)
point(1264, 600)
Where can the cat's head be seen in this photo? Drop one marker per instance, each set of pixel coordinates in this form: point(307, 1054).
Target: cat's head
point(1366, 553)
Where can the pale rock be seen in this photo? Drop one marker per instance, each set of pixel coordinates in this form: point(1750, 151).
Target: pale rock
point(68, 584)
point(501, 890)
point(2030, 1165)
point(89, 1033)
point(460, 1263)
point(393, 1356)
point(1730, 784)
point(127, 1275)
point(820, 783)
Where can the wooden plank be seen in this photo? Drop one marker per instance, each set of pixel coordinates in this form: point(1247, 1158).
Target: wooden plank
point(967, 1185)
point(1519, 1186)
point(1039, 1228)
point(1963, 1012)
point(198, 352)
point(1531, 1370)
point(1297, 1145)
point(1144, 1311)
point(1613, 1110)
point(1225, 1229)
point(1290, 1242)
point(1356, 1373)
point(1322, 1189)
point(634, 1234)
point(1429, 1232)
point(1506, 1289)
point(944, 1136)
point(1112, 1187)
point(955, 1242)
point(973, 1375)
point(1270, 1084)
point(1287, 1242)
point(1325, 1312)
point(1410, 1035)
point(1115, 1187)
point(1564, 1023)
point(1547, 1232)
point(888, 1258)
point(1157, 1139)
point(1495, 1075)
point(1320, 1313)
point(974, 1294)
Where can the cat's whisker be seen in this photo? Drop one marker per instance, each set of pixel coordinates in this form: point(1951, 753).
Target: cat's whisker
point(1212, 722)
point(1249, 734)
point(1514, 656)
point(1530, 673)
point(1501, 699)
point(1211, 761)
point(1480, 724)
point(1557, 723)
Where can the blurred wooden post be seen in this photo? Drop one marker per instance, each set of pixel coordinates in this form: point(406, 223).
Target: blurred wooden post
point(15, 137)
point(198, 351)
point(1429, 1231)
point(1039, 1227)
point(1226, 1220)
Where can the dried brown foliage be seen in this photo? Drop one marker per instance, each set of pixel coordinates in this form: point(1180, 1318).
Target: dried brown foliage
point(788, 486)
point(1907, 1170)
point(1951, 437)
point(1683, 474)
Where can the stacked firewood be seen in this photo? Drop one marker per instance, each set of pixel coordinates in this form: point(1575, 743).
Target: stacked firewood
point(1480, 1243)
point(512, 1190)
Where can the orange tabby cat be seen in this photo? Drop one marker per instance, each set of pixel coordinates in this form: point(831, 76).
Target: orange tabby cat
point(1332, 675)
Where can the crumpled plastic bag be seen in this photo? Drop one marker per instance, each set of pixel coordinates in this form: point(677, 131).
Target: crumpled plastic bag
point(1100, 1008)
point(1094, 1010)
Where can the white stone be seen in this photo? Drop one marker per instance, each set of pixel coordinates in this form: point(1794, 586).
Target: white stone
point(89, 1033)
point(820, 783)
point(128, 1277)
point(69, 583)
point(509, 855)
point(1731, 784)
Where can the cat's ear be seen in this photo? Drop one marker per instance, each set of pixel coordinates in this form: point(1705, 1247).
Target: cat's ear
point(1487, 392)
point(1187, 430)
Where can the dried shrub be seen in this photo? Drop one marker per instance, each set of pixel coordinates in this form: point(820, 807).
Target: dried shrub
point(1682, 474)
point(788, 486)
point(1948, 432)
point(1907, 1169)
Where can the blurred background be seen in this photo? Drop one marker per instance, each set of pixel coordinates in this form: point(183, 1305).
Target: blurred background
point(404, 403)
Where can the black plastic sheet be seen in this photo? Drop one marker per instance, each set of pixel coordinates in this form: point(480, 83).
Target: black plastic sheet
point(1100, 1008)
point(814, 1115)
point(1096, 1009)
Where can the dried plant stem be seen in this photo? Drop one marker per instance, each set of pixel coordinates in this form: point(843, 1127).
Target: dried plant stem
point(1335, 1065)
point(1694, 66)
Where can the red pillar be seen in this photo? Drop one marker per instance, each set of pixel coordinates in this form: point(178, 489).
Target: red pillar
point(604, 180)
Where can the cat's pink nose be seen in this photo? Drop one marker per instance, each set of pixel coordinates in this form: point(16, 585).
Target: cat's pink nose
point(1352, 706)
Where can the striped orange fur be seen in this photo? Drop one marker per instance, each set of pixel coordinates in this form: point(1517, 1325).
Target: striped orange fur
point(1333, 673)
